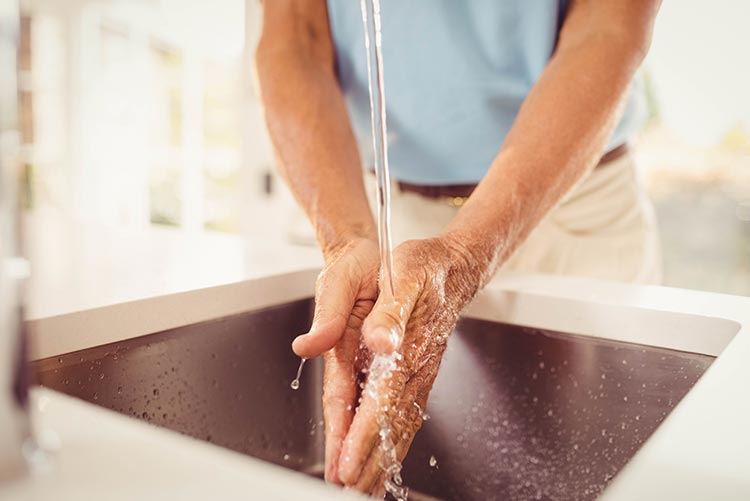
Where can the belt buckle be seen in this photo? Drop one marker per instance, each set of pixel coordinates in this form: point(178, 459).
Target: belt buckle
point(456, 201)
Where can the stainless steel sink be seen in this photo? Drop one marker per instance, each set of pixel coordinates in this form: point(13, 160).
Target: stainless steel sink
point(516, 413)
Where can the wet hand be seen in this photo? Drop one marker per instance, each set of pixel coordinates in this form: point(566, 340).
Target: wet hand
point(407, 333)
point(345, 293)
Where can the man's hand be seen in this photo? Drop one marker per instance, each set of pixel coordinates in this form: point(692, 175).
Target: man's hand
point(433, 281)
point(345, 293)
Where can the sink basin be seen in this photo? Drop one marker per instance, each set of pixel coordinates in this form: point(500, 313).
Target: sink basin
point(516, 412)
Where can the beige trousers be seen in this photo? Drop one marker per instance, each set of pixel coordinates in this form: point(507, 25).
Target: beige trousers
point(604, 228)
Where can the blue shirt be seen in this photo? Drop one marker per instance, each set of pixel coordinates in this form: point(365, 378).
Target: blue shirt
point(456, 73)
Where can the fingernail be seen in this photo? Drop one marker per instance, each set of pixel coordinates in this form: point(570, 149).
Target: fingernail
point(298, 341)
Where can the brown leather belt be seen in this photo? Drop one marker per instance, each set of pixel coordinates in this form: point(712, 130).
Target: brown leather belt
point(456, 194)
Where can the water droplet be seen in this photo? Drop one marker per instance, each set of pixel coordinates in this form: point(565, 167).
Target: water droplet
point(286, 457)
point(295, 382)
point(433, 461)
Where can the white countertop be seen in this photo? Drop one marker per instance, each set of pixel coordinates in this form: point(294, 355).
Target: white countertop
point(702, 450)
point(106, 456)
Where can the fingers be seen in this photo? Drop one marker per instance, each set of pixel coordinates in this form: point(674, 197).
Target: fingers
point(338, 417)
point(363, 443)
point(360, 441)
point(384, 328)
point(336, 293)
point(339, 396)
point(379, 491)
point(383, 397)
point(373, 476)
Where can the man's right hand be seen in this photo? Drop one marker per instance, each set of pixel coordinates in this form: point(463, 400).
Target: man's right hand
point(345, 293)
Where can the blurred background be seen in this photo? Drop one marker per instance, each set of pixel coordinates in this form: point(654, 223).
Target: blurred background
point(147, 168)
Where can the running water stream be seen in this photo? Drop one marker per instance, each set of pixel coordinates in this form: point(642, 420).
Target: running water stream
point(376, 85)
point(382, 366)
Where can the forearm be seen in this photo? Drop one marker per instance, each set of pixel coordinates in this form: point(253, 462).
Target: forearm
point(316, 150)
point(558, 136)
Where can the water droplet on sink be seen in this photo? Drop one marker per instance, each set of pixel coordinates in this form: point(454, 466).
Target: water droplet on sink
point(286, 457)
point(295, 384)
point(433, 461)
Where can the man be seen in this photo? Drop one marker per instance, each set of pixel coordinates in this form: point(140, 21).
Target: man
point(508, 124)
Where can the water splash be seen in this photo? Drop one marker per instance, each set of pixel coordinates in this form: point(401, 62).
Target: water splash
point(381, 370)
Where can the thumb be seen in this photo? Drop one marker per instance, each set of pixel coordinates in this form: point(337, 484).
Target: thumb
point(383, 330)
point(335, 296)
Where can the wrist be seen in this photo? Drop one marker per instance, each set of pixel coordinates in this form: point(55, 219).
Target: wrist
point(478, 255)
point(333, 241)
